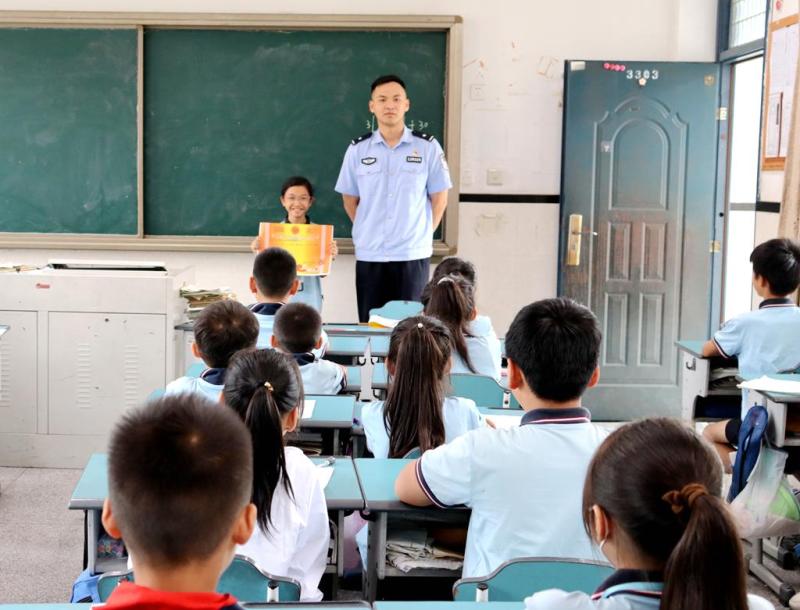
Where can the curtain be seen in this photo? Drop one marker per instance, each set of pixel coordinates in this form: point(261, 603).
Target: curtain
point(789, 223)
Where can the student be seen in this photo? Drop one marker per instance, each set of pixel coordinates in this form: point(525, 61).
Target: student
point(416, 412)
point(764, 341)
point(221, 330)
point(298, 331)
point(451, 265)
point(523, 484)
point(274, 282)
point(652, 502)
point(477, 348)
point(179, 484)
point(264, 387)
point(297, 197)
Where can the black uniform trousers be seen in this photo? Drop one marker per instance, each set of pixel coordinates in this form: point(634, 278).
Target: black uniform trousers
point(379, 283)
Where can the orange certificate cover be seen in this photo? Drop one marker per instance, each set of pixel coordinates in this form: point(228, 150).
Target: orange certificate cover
point(309, 244)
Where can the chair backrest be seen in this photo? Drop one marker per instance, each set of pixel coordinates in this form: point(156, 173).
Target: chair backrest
point(413, 454)
point(398, 310)
point(516, 579)
point(243, 579)
point(485, 391)
point(248, 583)
point(109, 581)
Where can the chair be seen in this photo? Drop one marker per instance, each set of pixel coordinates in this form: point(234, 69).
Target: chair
point(243, 579)
point(516, 579)
point(485, 391)
point(513, 403)
point(195, 369)
point(413, 454)
point(398, 310)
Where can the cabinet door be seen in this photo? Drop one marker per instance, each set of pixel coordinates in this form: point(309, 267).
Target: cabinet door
point(18, 376)
point(100, 365)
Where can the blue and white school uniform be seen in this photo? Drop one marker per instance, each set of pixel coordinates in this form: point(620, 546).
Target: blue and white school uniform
point(483, 348)
point(210, 384)
point(460, 415)
point(320, 376)
point(623, 590)
point(265, 314)
point(524, 486)
point(765, 341)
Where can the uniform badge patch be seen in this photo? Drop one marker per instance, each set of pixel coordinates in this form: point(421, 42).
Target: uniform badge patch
point(368, 160)
point(412, 159)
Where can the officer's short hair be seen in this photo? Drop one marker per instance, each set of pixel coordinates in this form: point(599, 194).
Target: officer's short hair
point(274, 271)
point(387, 78)
point(297, 328)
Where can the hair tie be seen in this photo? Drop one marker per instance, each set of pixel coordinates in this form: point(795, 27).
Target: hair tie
point(268, 385)
point(420, 325)
point(445, 278)
point(685, 498)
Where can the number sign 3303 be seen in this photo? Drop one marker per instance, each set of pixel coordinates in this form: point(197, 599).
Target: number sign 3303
point(641, 75)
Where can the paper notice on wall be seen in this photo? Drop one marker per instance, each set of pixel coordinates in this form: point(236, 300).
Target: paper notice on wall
point(773, 138)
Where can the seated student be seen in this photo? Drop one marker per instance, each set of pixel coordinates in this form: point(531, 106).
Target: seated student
point(274, 282)
point(652, 502)
point(221, 330)
point(179, 485)
point(416, 412)
point(264, 387)
point(766, 340)
point(524, 484)
point(451, 265)
point(477, 348)
point(298, 331)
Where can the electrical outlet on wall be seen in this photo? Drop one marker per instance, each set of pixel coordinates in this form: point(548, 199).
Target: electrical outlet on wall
point(494, 177)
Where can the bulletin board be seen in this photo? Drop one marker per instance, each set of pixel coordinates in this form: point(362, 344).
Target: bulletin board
point(781, 72)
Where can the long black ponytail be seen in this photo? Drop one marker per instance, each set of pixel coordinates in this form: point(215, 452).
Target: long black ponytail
point(452, 300)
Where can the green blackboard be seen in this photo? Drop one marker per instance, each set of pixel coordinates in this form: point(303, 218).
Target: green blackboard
point(68, 130)
point(229, 114)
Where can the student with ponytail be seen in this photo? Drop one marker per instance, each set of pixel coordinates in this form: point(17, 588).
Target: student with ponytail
point(651, 501)
point(416, 412)
point(291, 538)
point(451, 299)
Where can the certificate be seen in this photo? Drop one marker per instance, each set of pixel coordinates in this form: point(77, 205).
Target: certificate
point(309, 244)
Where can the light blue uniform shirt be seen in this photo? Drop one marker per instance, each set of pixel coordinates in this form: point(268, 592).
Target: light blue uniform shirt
point(765, 341)
point(394, 220)
point(524, 486)
point(320, 376)
point(195, 385)
point(483, 348)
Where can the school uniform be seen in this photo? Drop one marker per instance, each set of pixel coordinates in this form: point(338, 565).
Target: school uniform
point(210, 384)
point(623, 590)
point(523, 484)
point(296, 542)
point(310, 291)
point(130, 596)
point(320, 376)
point(265, 314)
point(483, 348)
point(460, 415)
point(765, 341)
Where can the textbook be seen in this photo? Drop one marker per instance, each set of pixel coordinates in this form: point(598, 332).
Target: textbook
point(310, 245)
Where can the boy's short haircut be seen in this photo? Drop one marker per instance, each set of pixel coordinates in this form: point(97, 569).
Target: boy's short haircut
point(297, 327)
point(778, 262)
point(222, 329)
point(180, 470)
point(386, 78)
point(455, 265)
point(274, 271)
point(556, 345)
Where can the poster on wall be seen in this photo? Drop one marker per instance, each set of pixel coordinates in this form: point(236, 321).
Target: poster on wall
point(782, 51)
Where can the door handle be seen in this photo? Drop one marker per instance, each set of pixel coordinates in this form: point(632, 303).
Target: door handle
point(574, 236)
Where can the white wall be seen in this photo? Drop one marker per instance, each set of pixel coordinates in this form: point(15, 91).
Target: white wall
point(515, 49)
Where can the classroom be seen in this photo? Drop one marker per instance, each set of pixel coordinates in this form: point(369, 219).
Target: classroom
point(218, 280)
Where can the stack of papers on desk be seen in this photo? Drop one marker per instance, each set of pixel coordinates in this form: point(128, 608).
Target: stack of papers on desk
point(381, 322)
point(198, 298)
point(770, 384)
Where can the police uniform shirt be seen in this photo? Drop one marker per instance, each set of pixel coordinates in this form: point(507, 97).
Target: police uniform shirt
point(210, 384)
point(547, 457)
point(765, 341)
point(265, 314)
point(296, 543)
point(394, 217)
point(483, 348)
point(460, 415)
point(320, 376)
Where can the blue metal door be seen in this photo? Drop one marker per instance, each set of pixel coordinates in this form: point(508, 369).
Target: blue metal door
point(638, 186)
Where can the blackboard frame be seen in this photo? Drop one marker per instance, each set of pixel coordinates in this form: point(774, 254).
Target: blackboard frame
point(450, 24)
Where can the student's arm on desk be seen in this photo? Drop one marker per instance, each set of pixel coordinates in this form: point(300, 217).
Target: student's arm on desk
point(350, 205)
point(710, 349)
point(408, 488)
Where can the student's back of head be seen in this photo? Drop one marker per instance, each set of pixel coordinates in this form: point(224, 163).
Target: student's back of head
point(179, 473)
point(452, 300)
point(452, 265)
point(265, 388)
point(778, 262)
point(555, 343)
point(222, 329)
point(298, 328)
point(659, 484)
point(418, 360)
point(274, 273)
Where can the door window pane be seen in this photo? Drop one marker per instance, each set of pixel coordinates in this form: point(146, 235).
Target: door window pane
point(748, 20)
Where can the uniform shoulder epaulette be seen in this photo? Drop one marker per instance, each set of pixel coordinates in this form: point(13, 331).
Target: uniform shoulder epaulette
point(361, 138)
point(424, 136)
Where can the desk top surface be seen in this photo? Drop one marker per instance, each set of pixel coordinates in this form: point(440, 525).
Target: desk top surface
point(355, 329)
point(695, 348)
point(346, 345)
point(781, 397)
point(377, 478)
point(330, 412)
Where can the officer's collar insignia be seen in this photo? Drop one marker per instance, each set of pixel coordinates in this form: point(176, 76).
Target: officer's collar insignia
point(368, 160)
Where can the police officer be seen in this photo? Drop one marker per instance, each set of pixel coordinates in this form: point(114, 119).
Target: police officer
point(394, 184)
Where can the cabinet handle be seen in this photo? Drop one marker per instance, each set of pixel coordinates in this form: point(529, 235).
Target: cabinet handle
point(692, 366)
